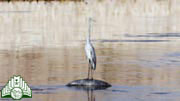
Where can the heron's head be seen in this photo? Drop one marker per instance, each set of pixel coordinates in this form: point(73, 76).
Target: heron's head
point(90, 19)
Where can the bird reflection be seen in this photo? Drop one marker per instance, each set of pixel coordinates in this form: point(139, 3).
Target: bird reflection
point(90, 95)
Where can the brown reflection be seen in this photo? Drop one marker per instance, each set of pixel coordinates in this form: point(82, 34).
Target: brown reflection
point(123, 64)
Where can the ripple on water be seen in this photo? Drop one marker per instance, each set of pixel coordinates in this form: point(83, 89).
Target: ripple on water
point(144, 41)
point(161, 93)
point(173, 54)
point(154, 35)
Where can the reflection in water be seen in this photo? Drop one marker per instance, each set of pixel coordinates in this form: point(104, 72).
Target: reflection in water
point(118, 63)
point(91, 96)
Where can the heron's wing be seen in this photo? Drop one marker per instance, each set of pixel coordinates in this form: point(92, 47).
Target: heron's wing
point(93, 54)
point(88, 51)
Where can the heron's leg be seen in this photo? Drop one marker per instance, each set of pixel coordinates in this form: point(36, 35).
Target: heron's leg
point(92, 74)
point(88, 69)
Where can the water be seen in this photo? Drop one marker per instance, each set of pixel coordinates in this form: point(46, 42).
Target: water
point(136, 71)
point(137, 54)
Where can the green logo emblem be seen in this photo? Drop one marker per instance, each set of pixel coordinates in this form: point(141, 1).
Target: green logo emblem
point(16, 88)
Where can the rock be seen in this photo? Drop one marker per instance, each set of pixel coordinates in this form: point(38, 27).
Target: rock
point(89, 84)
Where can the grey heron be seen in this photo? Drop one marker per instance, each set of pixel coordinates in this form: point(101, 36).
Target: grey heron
point(90, 52)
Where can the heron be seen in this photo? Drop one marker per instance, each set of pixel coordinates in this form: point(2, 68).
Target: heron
point(90, 53)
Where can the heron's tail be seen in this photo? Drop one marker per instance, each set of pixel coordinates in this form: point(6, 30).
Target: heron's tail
point(93, 65)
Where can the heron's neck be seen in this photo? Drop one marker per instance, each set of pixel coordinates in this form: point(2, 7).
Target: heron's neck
point(88, 39)
point(89, 32)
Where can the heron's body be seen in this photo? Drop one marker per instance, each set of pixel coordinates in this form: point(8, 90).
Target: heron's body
point(90, 53)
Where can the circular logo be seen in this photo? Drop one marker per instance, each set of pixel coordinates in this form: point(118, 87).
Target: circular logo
point(16, 93)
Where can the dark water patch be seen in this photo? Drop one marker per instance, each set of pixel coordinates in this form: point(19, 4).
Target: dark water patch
point(36, 89)
point(174, 54)
point(159, 63)
point(86, 88)
point(134, 41)
point(172, 58)
point(120, 91)
point(47, 92)
point(155, 35)
point(46, 87)
point(51, 88)
point(161, 93)
point(115, 41)
point(174, 61)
